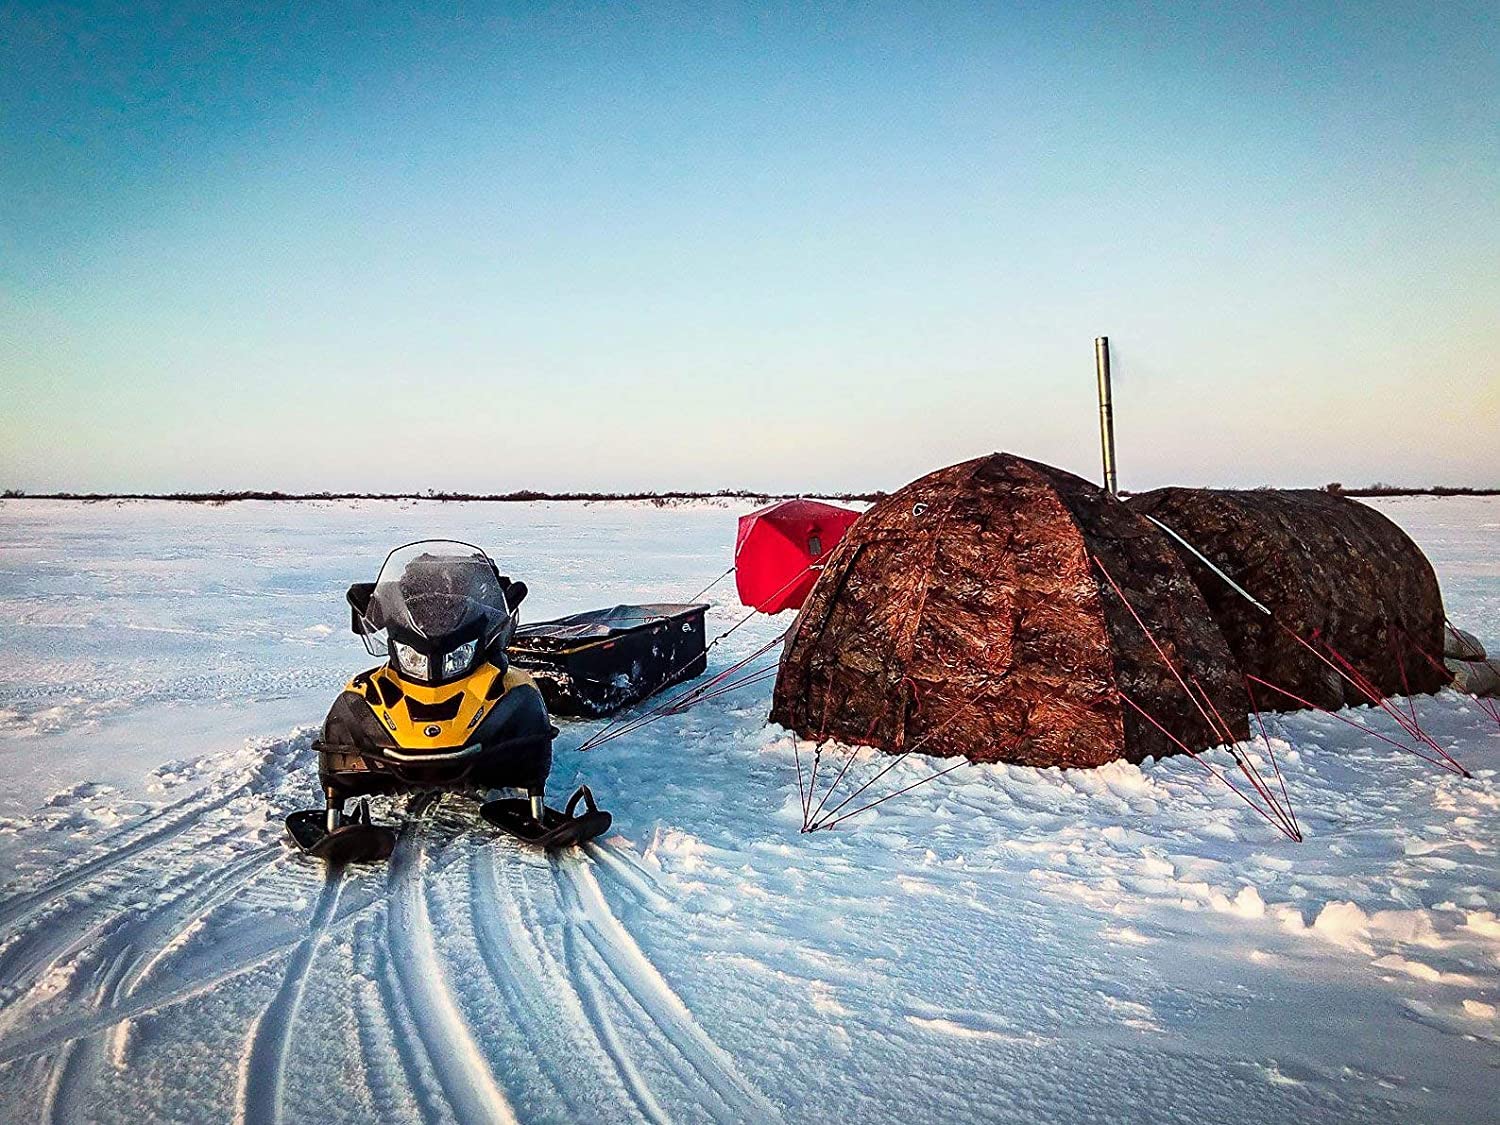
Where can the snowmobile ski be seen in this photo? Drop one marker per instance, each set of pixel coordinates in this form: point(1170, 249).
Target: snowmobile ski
point(556, 829)
point(354, 841)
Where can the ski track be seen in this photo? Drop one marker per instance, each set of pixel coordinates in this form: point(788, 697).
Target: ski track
point(87, 938)
point(139, 949)
point(467, 1081)
point(596, 1011)
point(65, 930)
point(67, 1086)
point(25, 963)
point(146, 1001)
point(544, 1000)
point(640, 882)
point(262, 1074)
point(173, 820)
point(592, 925)
point(49, 1036)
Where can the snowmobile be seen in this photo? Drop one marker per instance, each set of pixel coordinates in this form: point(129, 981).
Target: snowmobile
point(446, 710)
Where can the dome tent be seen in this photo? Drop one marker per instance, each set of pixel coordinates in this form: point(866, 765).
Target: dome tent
point(1331, 569)
point(965, 612)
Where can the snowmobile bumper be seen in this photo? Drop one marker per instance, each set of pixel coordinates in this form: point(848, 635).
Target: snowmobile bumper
point(351, 770)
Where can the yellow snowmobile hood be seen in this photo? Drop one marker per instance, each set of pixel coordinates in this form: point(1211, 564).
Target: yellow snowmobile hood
point(434, 717)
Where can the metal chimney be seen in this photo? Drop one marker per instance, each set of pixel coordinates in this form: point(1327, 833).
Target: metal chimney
point(1106, 414)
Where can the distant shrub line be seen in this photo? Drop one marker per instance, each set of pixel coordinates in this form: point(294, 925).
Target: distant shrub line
point(432, 494)
point(527, 494)
point(1378, 489)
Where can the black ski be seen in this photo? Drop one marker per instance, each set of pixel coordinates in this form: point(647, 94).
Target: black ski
point(564, 829)
point(355, 841)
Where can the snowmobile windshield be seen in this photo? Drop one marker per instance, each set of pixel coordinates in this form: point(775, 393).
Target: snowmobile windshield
point(434, 595)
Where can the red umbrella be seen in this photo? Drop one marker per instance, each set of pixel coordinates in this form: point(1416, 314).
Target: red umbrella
point(779, 551)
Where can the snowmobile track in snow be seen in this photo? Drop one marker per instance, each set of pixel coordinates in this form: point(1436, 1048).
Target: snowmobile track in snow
point(263, 1066)
point(467, 1081)
point(542, 998)
point(142, 999)
point(132, 952)
point(597, 942)
point(169, 821)
point(48, 942)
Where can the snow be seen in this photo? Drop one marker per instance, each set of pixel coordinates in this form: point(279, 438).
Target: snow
point(1001, 944)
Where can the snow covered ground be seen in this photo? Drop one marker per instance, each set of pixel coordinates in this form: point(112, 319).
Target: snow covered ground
point(1003, 944)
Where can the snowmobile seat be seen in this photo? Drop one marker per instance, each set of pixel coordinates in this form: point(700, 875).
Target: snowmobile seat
point(556, 829)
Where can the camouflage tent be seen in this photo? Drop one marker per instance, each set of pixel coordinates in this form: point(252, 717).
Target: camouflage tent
point(1330, 569)
point(965, 614)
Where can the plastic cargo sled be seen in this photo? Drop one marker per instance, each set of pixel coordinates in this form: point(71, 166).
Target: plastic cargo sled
point(594, 663)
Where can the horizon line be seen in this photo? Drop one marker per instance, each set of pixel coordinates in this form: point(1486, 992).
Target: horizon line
point(521, 496)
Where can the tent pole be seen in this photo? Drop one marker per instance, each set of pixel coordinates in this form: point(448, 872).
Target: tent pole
point(1106, 414)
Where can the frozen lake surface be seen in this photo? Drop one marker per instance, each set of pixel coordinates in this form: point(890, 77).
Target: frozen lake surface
point(1003, 944)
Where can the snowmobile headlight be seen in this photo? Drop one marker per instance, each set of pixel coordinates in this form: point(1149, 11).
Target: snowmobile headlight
point(412, 662)
point(459, 659)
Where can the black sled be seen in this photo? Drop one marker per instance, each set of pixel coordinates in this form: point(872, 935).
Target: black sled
point(593, 664)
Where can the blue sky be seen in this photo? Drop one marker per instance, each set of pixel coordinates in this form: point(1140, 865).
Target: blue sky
point(575, 246)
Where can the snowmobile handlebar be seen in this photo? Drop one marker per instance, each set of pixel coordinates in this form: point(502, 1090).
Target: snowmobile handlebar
point(358, 597)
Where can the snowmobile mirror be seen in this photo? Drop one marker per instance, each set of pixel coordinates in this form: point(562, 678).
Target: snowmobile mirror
point(515, 593)
point(359, 596)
